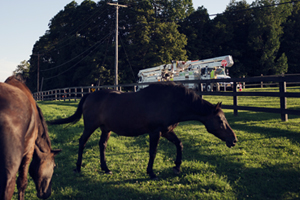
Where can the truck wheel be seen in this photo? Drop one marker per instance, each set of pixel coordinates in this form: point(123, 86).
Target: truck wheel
point(196, 88)
point(208, 88)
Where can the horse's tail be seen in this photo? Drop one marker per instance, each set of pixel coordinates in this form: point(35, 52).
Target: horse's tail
point(73, 118)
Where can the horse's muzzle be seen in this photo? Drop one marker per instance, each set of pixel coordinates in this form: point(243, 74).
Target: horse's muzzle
point(44, 195)
point(231, 143)
point(44, 192)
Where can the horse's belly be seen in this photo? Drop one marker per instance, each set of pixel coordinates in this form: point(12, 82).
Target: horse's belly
point(132, 120)
point(129, 131)
point(135, 126)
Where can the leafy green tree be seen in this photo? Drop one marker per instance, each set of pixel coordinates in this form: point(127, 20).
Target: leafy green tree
point(76, 36)
point(264, 38)
point(250, 33)
point(79, 47)
point(198, 27)
point(290, 43)
point(151, 35)
point(231, 31)
point(23, 70)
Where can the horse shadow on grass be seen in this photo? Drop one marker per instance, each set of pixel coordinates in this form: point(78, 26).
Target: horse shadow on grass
point(97, 184)
point(237, 124)
point(269, 182)
point(90, 185)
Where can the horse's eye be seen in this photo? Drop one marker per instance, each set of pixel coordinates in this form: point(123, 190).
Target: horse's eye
point(222, 125)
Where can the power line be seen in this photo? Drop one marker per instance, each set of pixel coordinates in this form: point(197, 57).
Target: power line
point(80, 28)
point(127, 57)
point(75, 63)
point(257, 7)
point(48, 69)
point(76, 29)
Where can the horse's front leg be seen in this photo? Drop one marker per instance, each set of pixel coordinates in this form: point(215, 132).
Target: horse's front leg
point(82, 142)
point(172, 137)
point(102, 146)
point(154, 138)
point(22, 181)
point(8, 186)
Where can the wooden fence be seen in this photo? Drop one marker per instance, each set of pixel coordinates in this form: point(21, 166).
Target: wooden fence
point(280, 81)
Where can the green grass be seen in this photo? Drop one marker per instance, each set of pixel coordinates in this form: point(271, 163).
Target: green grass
point(265, 163)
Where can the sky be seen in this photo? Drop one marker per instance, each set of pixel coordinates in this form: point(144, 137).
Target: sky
point(24, 22)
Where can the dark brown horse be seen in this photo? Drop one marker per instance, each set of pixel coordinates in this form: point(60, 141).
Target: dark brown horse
point(156, 110)
point(23, 136)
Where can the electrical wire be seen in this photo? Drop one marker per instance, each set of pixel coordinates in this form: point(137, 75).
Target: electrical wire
point(78, 61)
point(257, 7)
point(127, 57)
point(99, 42)
point(68, 36)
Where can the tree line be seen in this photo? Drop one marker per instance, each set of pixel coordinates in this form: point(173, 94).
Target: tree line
point(79, 46)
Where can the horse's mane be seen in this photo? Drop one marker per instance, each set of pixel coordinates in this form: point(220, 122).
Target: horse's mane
point(176, 88)
point(19, 83)
point(43, 130)
point(171, 86)
point(18, 78)
point(15, 78)
point(44, 135)
point(190, 96)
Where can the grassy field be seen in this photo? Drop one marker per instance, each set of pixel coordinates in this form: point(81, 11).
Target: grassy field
point(265, 163)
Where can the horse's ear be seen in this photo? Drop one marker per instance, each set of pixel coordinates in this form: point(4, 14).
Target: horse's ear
point(55, 151)
point(38, 151)
point(219, 105)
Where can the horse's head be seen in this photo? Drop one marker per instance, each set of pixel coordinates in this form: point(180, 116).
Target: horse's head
point(217, 124)
point(41, 170)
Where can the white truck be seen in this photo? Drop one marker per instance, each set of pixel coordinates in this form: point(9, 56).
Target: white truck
point(189, 70)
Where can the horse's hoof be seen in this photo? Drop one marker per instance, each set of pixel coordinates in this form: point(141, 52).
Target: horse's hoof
point(176, 170)
point(76, 171)
point(153, 176)
point(108, 172)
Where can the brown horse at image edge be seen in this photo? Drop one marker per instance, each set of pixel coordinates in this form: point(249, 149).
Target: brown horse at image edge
point(155, 110)
point(23, 137)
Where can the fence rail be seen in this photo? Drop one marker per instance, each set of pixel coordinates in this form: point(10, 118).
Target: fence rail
point(281, 81)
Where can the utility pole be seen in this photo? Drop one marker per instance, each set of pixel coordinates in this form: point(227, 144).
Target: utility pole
point(117, 33)
point(38, 72)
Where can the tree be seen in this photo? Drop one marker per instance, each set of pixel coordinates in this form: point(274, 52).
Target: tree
point(197, 28)
point(150, 33)
point(231, 31)
point(264, 38)
point(76, 36)
point(23, 70)
point(78, 48)
point(291, 40)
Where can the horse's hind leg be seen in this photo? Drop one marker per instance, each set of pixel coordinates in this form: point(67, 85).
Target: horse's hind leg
point(172, 137)
point(154, 138)
point(102, 146)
